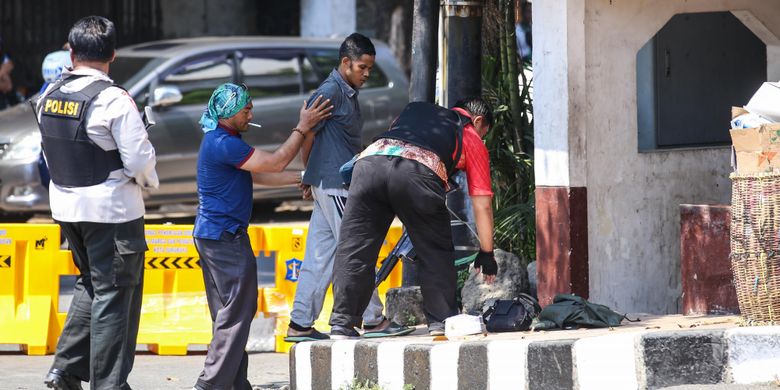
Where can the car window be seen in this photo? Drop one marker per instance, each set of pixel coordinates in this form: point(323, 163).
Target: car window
point(126, 71)
point(310, 78)
point(325, 60)
point(197, 78)
point(271, 74)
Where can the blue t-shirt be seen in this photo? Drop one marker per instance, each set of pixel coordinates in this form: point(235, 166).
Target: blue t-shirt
point(224, 189)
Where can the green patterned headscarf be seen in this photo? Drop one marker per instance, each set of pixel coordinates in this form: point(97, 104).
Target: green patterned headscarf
point(227, 100)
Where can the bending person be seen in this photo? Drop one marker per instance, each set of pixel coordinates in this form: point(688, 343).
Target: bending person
point(404, 173)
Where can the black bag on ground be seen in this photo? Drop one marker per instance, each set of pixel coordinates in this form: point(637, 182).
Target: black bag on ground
point(511, 315)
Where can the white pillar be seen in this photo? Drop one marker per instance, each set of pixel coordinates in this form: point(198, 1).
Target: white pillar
point(328, 18)
point(559, 91)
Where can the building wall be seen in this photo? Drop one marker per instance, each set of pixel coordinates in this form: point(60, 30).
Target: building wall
point(327, 18)
point(208, 17)
point(632, 198)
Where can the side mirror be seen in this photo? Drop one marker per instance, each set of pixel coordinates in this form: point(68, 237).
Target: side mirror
point(148, 117)
point(165, 95)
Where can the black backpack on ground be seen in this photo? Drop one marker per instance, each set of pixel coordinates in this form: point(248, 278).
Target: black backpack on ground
point(511, 315)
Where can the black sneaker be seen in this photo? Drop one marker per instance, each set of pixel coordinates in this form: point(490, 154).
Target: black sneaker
point(338, 332)
point(311, 334)
point(61, 380)
point(386, 328)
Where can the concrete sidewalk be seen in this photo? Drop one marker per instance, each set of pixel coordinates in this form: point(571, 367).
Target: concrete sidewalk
point(658, 352)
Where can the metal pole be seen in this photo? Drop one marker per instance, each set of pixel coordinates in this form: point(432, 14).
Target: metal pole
point(425, 32)
point(422, 86)
point(463, 25)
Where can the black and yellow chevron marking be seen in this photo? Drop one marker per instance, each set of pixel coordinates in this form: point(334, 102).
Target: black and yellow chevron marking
point(172, 263)
point(5, 261)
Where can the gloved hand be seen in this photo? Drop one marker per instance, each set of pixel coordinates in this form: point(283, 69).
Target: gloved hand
point(486, 262)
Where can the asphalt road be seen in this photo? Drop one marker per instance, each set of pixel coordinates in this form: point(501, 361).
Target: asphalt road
point(150, 372)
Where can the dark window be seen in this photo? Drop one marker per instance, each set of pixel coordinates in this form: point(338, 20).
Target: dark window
point(311, 79)
point(198, 78)
point(269, 74)
point(125, 71)
point(690, 74)
point(324, 61)
point(377, 78)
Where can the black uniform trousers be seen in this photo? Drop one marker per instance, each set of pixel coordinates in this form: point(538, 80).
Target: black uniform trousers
point(230, 275)
point(383, 187)
point(98, 341)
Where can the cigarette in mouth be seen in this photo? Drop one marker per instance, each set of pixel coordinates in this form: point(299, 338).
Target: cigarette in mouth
point(254, 124)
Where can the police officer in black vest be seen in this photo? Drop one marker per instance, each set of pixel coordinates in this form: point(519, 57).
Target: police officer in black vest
point(100, 159)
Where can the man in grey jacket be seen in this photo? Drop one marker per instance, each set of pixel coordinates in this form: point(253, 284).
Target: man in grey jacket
point(332, 143)
point(100, 158)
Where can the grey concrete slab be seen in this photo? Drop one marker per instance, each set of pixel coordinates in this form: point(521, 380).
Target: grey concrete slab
point(365, 367)
point(320, 364)
point(417, 366)
point(683, 358)
point(550, 365)
point(473, 366)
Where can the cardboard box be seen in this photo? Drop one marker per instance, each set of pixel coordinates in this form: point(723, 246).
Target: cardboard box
point(756, 149)
point(766, 101)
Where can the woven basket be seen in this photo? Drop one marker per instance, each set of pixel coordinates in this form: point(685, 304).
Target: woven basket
point(755, 245)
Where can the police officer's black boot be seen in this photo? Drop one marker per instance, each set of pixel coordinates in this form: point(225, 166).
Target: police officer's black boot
point(61, 380)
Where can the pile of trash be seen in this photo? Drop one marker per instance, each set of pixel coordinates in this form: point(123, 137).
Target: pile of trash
point(755, 132)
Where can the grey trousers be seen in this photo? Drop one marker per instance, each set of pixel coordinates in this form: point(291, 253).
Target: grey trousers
point(97, 343)
point(230, 275)
point(317, 270)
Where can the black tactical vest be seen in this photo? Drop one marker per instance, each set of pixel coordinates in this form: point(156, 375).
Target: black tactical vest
point(74, 159)
point(431, 127)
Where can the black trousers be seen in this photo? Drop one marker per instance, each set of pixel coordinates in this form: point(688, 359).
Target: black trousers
point(97, 343)
point(230, 275)
point(383, 187)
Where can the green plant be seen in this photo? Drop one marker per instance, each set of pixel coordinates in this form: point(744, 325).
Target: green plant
point(507, 87)
point(368, 385)
point(410, 318)
point(361, 385)
point(463, 275)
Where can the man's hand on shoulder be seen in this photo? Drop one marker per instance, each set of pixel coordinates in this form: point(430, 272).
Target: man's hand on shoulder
point(309, 117)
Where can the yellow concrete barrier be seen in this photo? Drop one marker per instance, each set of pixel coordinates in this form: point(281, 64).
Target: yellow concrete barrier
point(286, 244)
point(174, 313)
point(30, 266)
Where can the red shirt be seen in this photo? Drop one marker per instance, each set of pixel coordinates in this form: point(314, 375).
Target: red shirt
point(474, 160)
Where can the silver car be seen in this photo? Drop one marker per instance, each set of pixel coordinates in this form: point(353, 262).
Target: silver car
point(176, 77)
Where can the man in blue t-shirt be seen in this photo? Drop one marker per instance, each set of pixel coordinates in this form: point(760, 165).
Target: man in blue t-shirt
point(227, 167)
